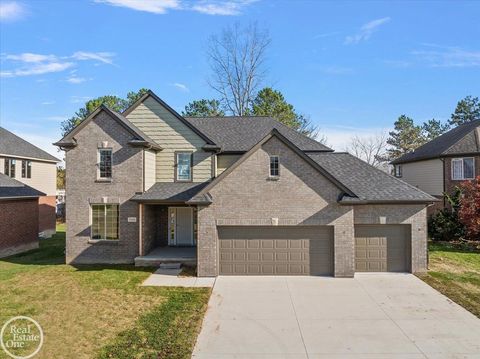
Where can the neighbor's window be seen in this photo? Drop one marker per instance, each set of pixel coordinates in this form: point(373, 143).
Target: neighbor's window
point(9, 169)
point(105, 221)
point(398, 171)
point(274, 166)
point(463, 168)
point(105, 163)
point(184, 166)
point(26, 169)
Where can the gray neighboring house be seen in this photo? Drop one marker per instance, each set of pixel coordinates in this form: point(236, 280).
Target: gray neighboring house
point(238, 195)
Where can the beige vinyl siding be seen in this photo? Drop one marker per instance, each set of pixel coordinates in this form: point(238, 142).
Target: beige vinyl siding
point(426, 175)
point(149, 169)
point(172, 135)
point(225, 161)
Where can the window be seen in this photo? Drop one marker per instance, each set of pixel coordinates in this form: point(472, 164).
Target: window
point(26, 169)
point(105, 221)
point(398, 171)
point(274, 166)
point(184, 166)
point(105, 163)
point(9, 169)
point(463, 168)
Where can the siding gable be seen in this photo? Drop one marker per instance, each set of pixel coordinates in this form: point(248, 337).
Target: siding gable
point(173, 135)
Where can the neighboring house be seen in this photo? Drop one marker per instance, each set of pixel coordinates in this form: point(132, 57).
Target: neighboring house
point(248, 194)
point(36, 168)
point(18, 216)
point(440, 165)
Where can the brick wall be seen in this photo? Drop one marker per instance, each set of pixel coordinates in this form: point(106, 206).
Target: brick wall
point(18, 226)
point(451, 184)
point(47, 215)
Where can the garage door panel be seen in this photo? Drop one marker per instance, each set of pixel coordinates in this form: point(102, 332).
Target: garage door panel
point(276, 250)
point(381, 248)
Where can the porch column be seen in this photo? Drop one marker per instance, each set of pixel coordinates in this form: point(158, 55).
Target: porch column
point(140, 230)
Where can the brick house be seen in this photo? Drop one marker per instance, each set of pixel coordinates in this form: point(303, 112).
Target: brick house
point(235, 195)
point(36, 168)
point(440, 165)
point(18, 216)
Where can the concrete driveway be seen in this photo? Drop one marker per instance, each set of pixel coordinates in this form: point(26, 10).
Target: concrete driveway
point(371, 316)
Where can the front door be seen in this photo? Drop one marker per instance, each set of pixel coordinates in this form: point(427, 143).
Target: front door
point(181, 226)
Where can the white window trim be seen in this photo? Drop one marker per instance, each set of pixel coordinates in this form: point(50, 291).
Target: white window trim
point(92, 240)
point(177, 153)
point(270, 168)
point(462, 175)
point(398, 171)
point(99, 178)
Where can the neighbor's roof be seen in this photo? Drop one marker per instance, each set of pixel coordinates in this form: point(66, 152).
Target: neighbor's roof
point(174, 192)
point(12, 145)
point(239, 134)
point(11, 188)
point(368, 183)
point(464, 139)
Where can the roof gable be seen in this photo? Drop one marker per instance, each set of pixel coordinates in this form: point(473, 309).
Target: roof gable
point(11, 188)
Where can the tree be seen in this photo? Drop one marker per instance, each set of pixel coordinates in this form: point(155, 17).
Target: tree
point(433, 128)
point(469, 209)
point(236, 58)
point(203, 108)
point(371, 149)
point(467, 110)
point(114, 103)
point(405, 138)
point(60, 177)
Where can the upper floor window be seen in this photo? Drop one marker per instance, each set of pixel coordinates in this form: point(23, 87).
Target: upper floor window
point(105, 221)
point(26, 169)
point(463, 168)
point(398, 171)
point(184, 166)
point(274, 166)
point(9, 169)
point(105, 163)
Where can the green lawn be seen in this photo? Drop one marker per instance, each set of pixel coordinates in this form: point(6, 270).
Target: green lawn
point(455, 272)
point(98, 311)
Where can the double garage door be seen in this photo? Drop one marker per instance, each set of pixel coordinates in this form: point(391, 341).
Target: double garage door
point(308, 250)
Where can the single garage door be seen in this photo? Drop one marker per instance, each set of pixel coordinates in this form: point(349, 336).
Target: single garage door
point(382, 248)
point(257, 250)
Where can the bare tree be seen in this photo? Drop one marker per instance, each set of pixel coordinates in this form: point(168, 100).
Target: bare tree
point(371, 149)
point(236, 58)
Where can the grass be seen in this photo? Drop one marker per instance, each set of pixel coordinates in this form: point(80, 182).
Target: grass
point(98, 311)
point(454, 270)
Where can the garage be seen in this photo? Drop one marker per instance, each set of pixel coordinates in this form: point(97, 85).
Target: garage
point(382, 248)
point(275, 250)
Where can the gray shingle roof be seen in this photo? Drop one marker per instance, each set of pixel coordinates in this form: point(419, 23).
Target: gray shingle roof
point(239, 134)
point(367, 182)
point(11, 188)
point(460, 140)
point(173, 192)
point(11, 144)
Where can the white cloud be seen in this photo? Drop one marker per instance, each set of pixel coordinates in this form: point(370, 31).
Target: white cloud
point(79, 99)
point(337, 70)
point(447, 56)
point(56, 118)
point(76, 80)
point(105, 57)
point(339, 137)
point(181, 87)
point(31, 58)
point(366, 31)
point(210, 7)
point(11, 11)
point(37, 69)
point(46, 103)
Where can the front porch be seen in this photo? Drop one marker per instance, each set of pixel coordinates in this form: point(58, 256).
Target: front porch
point(168, 254)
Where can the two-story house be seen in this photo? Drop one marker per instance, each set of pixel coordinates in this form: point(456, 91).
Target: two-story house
point(242, 195)
point(24, 162)
point(440, 165)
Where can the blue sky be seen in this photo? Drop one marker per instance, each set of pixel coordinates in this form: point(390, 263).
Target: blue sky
point(353, 67)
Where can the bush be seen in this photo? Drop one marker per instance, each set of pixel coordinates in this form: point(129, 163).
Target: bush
point(469, 208)
point(445, 225)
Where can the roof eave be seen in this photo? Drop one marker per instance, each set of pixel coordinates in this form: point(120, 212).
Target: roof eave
point(146, 144)
point(364, 201)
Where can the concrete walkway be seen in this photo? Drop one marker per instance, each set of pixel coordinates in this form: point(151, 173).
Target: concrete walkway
point(378, 316)
point(170, 278)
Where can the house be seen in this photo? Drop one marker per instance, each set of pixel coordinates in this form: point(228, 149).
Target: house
point(34, 167)
point(440, 165)
point(18, 216)
point(239, 195)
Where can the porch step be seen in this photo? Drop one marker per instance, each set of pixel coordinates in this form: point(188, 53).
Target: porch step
point(170, 265)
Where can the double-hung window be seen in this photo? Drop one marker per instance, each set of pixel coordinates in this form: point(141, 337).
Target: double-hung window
point(9, 168)
point(398, 170)
point(26, 169)
point(463, 168)
point(274, 166)
point(184, 166)
point(105, 221)
point(105, 163)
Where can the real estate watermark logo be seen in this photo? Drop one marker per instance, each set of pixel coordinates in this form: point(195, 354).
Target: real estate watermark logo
point(21, 337)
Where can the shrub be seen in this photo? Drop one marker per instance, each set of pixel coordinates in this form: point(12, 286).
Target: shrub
point(445, 224)
point(469, 208)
